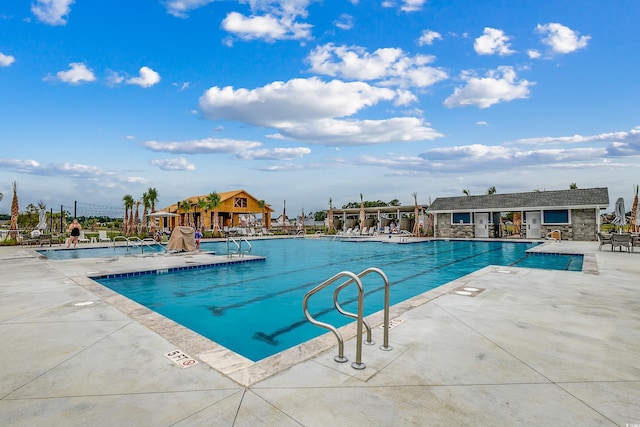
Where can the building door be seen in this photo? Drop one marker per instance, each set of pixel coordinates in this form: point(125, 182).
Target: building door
point(533, 224)
point(482, 226)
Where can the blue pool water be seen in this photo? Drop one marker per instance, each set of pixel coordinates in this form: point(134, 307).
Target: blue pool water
point(103, 252)
point(255, 308)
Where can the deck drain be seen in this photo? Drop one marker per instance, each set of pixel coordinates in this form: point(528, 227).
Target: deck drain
point(393, 323)
point(467, 291)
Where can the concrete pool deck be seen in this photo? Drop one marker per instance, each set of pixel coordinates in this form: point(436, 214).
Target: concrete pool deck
point(529, 347)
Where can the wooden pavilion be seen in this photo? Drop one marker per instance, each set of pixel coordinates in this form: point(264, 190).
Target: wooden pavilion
point(234, 206)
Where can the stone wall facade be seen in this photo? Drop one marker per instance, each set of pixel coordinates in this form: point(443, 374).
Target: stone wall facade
point(583, 227)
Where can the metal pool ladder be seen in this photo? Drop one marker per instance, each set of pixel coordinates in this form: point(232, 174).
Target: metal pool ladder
point(360, 321)
point(238, 246)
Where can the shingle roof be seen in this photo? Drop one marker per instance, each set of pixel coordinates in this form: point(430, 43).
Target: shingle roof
point(587, 197)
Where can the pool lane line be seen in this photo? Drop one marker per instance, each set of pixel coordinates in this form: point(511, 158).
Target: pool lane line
point(270, 338)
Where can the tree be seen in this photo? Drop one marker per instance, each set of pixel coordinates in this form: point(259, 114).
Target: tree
point(214, 203)
point(185, 208)
point(128, 206)
point(466, 192)
point(203, 204)
point(573, 186)
point(261, 205)
point(152, 195)
point(145, 209)
point(15, 211)
point(491, 190)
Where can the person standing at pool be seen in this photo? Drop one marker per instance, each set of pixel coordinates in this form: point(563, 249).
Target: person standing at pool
point(75, 228)
point(198, 236)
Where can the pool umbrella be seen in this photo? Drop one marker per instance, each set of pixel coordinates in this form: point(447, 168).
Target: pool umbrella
point(620, 220)
point(361, 214)
point(635, 212)
point(284, 215)
point(42, 220)
point(330, 216)
point(302, 224)
point(416, 223)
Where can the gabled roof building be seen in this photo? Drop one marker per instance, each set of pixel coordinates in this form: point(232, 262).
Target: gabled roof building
point(574, 213)
point(234, 206)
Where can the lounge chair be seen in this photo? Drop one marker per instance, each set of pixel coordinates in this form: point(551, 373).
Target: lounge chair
point(102, 236)
point(621, 241)
point(266, 232)
point(604, 239)
point(83, 238)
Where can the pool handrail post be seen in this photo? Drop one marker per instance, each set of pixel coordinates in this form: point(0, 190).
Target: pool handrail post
point(340, 358)
point(387, 290)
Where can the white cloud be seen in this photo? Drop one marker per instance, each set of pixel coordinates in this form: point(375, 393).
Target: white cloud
point(270, 20)
point(344, 22)
point(307, 110)
point(428, 37)
point(77, 74)
point(202, 146)
point(180, 8)
point(389, 66)
point(332, 132)
point(176, 164)
point(147, 78)
point(114, 79)
point(280, 103)
point(561, 39)
point(412, 5)
point(492, 42)
point(52, 12)
point(533, 54)
point(6, 60)
point(247, 150)
point(275, 153)
point(499, 85)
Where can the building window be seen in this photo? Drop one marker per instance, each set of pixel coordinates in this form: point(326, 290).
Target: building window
point(560, 216)
point(461, 218)
point(240, 202)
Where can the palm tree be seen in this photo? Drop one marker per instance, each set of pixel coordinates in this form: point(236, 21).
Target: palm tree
point(136, 218)
point(203, 204)
point(466, 192)
point(145, 209)
point(15, 211)
point(214, 202)
point(152, 195)
point(261, 205)
point(128, 205)
point(491, 190)
point(185, 208)
point(573, 186)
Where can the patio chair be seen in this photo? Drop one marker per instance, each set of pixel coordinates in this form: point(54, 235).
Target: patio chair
point(621, 241)
point(102, 236)
point(83, 238)
point(604, 239)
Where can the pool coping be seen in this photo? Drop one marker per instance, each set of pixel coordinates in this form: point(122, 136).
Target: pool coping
point(246, 372)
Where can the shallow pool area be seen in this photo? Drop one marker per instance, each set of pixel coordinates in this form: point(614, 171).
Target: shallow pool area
point(255, 309)
point(100, 252)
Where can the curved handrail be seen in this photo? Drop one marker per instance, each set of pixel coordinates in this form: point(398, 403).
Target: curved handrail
point(136, 242)
point(340, 357)
point(300, 233)
point(239, 250)
point(387, 288)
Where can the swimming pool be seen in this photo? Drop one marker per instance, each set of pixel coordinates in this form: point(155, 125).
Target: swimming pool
point(100, 252)
point(255, 309)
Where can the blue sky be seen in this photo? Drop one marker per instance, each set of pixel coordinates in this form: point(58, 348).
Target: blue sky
point(303, 101)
